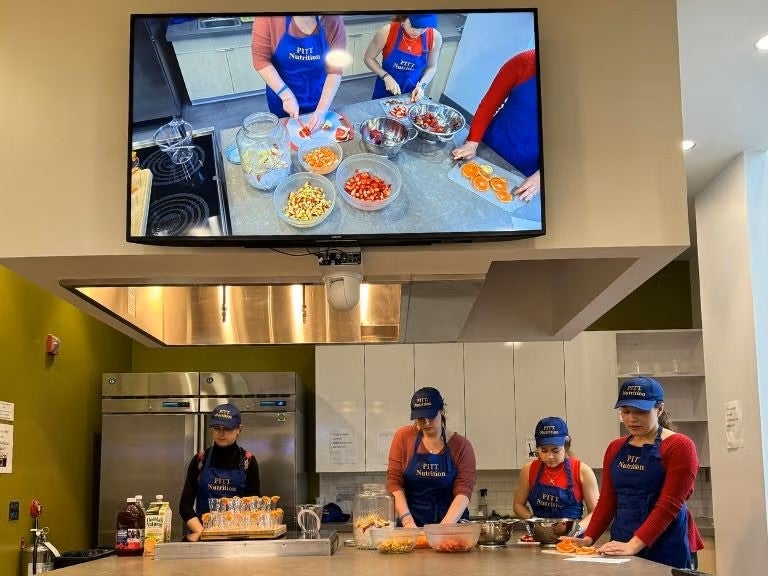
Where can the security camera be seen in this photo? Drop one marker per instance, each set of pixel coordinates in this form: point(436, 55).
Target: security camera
point(342, 288)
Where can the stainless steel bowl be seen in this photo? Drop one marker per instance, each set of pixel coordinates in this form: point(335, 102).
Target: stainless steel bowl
point(549, 530)
point(450, 119)
point(493, 532)
point(392, 134)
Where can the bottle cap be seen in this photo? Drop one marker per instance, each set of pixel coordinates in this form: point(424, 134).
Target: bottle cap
point(130, 500)
point(158, 496)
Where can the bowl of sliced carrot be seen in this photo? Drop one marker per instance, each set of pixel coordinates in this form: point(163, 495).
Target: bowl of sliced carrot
point(320, 155)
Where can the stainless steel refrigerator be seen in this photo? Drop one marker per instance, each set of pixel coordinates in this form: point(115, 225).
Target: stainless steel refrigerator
point(153, 423)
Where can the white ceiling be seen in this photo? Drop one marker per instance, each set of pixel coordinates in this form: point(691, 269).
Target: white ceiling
point(724, 83)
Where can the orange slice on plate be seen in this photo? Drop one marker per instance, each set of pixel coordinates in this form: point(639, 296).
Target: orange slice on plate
point(566, 546)
point(499, 184)
point(470, 170)
point(480, 182)
point(503, 195)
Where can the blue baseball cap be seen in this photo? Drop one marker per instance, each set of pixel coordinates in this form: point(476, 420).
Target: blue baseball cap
point(226, 415)
point(641, 392)
point(551, 431)
point(423, 20)
point(426, 403)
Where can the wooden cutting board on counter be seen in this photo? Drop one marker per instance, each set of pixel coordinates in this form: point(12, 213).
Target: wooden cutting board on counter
point(242, 534)
point(141, 185)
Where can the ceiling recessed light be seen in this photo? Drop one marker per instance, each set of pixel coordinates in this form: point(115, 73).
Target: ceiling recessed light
point(762, 44)
point(688, 144)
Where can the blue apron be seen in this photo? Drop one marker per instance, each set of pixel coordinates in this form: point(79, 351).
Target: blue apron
point(301, 64)
point(514, 131)
point(218, 483)
point(428, 483)
point(553, 501)
point(638, 476)
point(406, 68)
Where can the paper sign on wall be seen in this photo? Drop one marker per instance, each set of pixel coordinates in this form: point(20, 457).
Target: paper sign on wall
point(6, 448)
point(341, 447)
point(530, 446)
point(734, 425)
point(6, 411)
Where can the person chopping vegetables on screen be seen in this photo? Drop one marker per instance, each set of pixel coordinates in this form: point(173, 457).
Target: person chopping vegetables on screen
point(507, 120)
point(410, 48)
point(431, 471)
point(291, 55)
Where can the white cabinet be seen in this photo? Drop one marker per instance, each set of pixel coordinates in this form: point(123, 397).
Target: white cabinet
point(388, 390)
point(539, 390)
point(206, 74)
point(441, 366)
point(244, 76)
point(339, 409)
point(590, 391)
point(489, 404)
point(447, 54)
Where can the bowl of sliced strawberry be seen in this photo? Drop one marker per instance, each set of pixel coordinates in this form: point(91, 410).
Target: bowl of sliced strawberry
point(368, 181)
point(436, 122)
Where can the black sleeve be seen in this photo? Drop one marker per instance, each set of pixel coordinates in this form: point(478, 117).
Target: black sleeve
point(252, 482)
point(189, 493)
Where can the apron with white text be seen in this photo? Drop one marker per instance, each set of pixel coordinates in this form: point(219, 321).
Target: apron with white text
point(552, 501)
point(218, 483)
point(406, 68)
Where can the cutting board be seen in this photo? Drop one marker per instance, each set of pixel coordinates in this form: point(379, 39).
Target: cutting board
point(335, 119)
point(489, 195)
point(242, 534)
point(141, 184)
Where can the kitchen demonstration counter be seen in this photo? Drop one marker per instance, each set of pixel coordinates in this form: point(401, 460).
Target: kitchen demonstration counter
point(521, 559)
point(428, 201)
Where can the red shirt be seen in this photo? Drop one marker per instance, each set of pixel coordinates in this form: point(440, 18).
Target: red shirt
point(515, 71)
point(678, 457)
point(401, 451)
point(558, 475)
point(407, 44)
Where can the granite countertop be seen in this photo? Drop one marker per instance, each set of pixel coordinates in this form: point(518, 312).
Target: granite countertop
point(428, 201)
point(522, 559)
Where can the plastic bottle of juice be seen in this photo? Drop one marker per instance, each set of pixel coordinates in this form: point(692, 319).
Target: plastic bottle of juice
point(129, 536)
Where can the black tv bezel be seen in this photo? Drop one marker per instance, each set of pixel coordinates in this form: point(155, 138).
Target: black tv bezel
point(333, 240)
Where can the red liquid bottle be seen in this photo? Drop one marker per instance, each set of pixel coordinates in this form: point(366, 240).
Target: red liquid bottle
point(129, 536)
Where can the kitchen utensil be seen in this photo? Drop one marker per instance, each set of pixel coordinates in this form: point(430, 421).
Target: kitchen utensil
point(384, 136)
point(292, 184)
point(450, 120)
point(175, 139)
point(493, 532)
point(376, 165)
point(315, 143)
point(391, 540)
point(309, 518)
point(549, 530)
point(452, 537)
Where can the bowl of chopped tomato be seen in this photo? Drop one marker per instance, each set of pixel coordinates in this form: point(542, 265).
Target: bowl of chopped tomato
point(435, 122)
point(368, 181)
point(320, 155)
point(452, 537)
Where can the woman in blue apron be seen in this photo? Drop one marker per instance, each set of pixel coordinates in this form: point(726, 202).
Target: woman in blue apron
point(299, 77)
point(411, 49)
point(431, 472)
point(648, 477)
point(555, 485)
point(223, 470)
point(507, 120)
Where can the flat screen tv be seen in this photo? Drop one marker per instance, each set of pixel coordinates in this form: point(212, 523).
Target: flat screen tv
point(334, 129)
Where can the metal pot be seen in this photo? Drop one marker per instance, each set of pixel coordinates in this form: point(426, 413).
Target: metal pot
point(452, 120)
point(392, 134)
point(549, 530)
point(493, 532)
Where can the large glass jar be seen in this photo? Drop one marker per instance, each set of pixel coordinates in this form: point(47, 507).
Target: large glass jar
point(264, 149)
point(372, 507)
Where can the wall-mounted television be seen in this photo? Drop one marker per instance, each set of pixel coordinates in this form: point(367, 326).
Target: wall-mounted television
point(334, 129)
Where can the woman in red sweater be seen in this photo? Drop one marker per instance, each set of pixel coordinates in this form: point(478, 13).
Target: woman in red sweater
point(431, 471)
point(647, 478)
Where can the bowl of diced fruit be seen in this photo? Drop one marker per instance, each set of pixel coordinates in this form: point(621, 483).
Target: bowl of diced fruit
point(368, 182)
point(304, 199)
point(391, 540)
point(436, 122)
point(320, 155)
point(385, 136)
point(452, 537)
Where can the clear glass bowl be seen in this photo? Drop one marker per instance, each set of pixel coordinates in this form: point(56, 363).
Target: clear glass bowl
point(452, 537)
point(391, 540)
point(313, 144)
point(377, 165)
point(293, 183)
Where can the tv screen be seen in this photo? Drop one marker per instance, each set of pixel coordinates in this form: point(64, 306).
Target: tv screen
point(334, 129)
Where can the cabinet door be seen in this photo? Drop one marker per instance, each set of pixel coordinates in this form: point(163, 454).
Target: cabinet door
point(244, 76)
point(206, 74)
point(447, 54)
point(539, 390)
point(441, 366)
point(590, 390)
point(388, 391)
point(489, 390)
point(339, 409)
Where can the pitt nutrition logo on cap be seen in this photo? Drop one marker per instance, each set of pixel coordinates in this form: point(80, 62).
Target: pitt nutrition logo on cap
point(226, 415)
point(552, 431)
point(641, 393)
point(426, 403)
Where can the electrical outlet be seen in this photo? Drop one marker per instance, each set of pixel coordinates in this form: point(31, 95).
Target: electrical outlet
point(13, 510)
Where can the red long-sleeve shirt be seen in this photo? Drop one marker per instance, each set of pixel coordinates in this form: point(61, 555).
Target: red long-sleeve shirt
point(514, 72)
point(678, 457)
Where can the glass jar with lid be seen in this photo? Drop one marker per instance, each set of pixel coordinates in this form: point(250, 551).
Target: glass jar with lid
point(372, 507)
point(264, 149)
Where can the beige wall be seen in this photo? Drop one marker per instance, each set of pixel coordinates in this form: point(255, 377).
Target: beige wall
point(730, 222)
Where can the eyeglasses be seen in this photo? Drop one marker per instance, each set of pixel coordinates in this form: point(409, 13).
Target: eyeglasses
point(222, 430)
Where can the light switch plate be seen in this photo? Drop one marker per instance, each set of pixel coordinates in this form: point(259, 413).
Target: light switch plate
point(13, 510)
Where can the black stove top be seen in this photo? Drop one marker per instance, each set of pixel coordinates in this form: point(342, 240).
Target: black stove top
point(187, 198)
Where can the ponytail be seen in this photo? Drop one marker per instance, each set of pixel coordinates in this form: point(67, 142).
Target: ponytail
point(664, 420)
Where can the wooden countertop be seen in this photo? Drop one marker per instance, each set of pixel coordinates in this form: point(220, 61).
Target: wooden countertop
point(350, 561)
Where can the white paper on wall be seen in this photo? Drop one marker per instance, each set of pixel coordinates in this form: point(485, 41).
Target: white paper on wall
point(6, 448)
point(734, 425)
point(6, 411)
point(341, 447)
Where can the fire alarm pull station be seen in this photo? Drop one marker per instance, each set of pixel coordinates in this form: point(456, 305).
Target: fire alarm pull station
point(52, 345)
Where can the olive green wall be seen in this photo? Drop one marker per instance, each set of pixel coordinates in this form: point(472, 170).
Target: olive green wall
point(56, 412)
point(663, 302)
